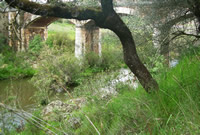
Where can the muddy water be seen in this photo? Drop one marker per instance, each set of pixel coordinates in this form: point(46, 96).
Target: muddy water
point(19, 92)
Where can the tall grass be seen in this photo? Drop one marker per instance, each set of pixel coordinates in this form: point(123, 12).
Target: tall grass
point(173, 110)
point(14, 65)
point(57, 27)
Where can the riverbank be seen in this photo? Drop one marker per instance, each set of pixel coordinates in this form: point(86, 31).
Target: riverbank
point(17, 93)
point(173, 110)
point(15, 65)
point(95, 99)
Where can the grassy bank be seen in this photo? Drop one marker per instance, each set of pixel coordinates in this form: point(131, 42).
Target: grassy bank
point(173, 110)
point(66, 28)
point(14, 65)
point(19, 64)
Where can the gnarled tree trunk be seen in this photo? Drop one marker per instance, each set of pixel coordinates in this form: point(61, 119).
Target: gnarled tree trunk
point(114, 23)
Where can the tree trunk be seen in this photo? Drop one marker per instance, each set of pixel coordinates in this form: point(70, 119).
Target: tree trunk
point(114, 23)
point(136, 66)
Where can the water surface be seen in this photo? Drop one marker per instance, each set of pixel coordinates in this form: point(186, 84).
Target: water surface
point(19, 92)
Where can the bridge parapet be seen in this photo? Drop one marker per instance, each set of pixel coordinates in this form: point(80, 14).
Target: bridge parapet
point(125, 10)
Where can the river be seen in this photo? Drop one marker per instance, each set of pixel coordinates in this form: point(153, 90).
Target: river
point(18, 93)
point(21, 91)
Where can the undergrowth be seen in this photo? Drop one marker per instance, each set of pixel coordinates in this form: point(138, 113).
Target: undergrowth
point(14, 65)
point(172, 110)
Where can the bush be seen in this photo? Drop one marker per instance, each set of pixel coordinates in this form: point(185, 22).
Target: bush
point(110, 59)
point(36, 44)
point(3, 42)
point(56, 70)
point(14, 65)
point(92, 59)
point(59, 69)
point(61, 39)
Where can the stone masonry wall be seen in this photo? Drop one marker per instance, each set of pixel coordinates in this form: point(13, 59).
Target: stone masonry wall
point(4, 24)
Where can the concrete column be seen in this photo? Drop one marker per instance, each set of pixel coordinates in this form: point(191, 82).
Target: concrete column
point(23, 40)
point(79, 50)
point(26, 38)
point(4, 24)
point(9, 28)
point(92, 39)
point(45, 33)
point(87, 40)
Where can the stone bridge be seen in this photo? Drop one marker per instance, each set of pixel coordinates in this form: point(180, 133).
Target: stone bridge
point(87, 37)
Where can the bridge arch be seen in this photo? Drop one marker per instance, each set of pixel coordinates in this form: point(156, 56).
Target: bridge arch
point(87, 34)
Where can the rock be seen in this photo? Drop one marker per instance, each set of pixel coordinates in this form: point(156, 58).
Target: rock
point(78, 101)
point(173, 63)
point(35, 65)
point(125, 77)
point(57, 110)
point(107, 92)
point(59, 90)
point(74, 122)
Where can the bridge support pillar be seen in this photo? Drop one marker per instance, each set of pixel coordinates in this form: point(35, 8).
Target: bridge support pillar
point(4, 24)
point(29, 33)
point(87, 40)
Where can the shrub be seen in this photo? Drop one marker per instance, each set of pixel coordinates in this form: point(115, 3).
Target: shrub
point(110, 59)
point(1, 60)
point(3, 42)
point(36, 44)
point(14, 65)
point(61, 39)
point(56, 70)
point(92, 59)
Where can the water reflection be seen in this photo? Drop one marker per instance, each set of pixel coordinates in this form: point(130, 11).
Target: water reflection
point(19, 91)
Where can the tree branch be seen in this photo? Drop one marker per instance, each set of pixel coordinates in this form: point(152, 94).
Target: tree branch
point(179, 33)
point(107, 6)
point(170, 23)
point(67, 11)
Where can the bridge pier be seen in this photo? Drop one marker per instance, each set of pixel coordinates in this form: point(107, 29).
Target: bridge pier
point(29, 33)
point(87, 34)
point(4, 24)
point(87, 39)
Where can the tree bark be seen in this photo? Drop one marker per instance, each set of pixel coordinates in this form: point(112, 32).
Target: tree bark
point(104, 17)
point(114, 23)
